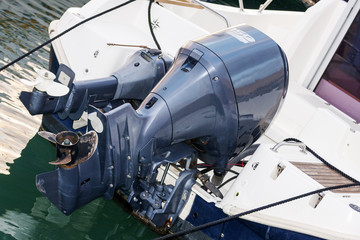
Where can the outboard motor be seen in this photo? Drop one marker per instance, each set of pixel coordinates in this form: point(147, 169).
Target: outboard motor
point(219, 96)
point(133, 81)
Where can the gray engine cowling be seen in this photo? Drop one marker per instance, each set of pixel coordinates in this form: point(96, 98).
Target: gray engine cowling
point(223, 90)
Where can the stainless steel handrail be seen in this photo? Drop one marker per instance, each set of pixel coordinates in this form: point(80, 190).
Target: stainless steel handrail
point(265, 5)
point(301, 145)
point(241, 5)
point(261, 8)
point(213, 11)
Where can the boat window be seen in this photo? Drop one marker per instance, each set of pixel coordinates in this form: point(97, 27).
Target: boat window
point(340, 84)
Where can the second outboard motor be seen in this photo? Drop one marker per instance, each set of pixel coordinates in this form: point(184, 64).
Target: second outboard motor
point(217, 99)
point(133, 81)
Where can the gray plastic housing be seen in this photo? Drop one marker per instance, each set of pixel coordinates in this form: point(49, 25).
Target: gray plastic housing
point(223, 90)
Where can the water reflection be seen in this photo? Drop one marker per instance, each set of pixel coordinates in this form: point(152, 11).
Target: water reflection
point(24, 212)
point(20, 31)
point(16, 124)
point(23, 26)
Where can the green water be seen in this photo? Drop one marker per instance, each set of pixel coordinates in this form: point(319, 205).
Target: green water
point(24, 212)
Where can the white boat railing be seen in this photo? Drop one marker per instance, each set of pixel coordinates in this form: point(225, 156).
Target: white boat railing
point(264, 6)
point(196, 4)
point(261, 8)
point(213, 11)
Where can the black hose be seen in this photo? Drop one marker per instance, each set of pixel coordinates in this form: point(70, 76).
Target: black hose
point(227, 181)
point(249, 151)
point(150, 25)
point(63, 33)
point(209, 168)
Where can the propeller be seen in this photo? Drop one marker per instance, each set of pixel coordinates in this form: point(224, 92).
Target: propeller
point(95, 122)
point(45, 83)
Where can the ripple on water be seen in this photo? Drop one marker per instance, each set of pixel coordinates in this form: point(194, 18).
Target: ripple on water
point(24, 212)
point(23, 26)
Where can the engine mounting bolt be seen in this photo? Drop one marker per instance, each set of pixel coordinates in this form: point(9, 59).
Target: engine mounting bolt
point(111, 185)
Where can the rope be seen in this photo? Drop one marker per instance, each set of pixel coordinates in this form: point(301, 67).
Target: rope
point(229, 218)
point(150, 25)
point(226, 219)
point(63, 33)
point(324, 161)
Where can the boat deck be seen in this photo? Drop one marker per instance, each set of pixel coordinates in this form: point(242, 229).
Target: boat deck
point(326, 176)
